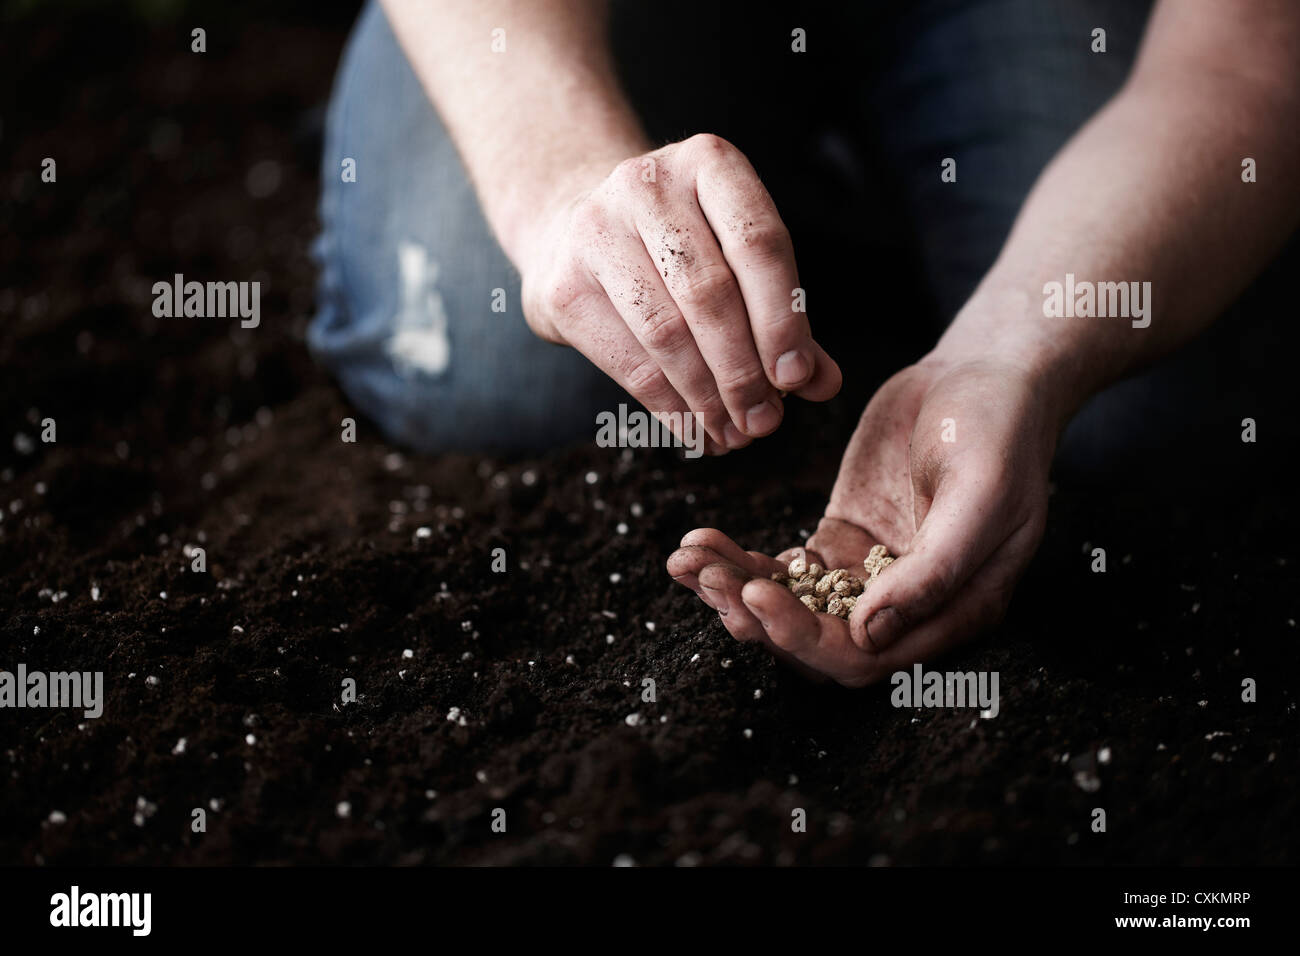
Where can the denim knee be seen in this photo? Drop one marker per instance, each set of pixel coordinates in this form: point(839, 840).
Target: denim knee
point(419, 312)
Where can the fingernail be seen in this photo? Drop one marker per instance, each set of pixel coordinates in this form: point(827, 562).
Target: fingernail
point(762, 418)
point(755, 611)
point(715, 599)
point(792, 369)
point(734, 437)
point(884, 627)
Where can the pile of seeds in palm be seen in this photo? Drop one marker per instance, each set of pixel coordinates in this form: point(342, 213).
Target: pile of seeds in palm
point(833, 592)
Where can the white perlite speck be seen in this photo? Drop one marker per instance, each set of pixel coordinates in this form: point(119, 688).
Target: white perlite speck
point(144, 809)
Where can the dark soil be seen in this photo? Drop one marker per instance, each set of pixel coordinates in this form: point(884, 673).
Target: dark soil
point(193, 432)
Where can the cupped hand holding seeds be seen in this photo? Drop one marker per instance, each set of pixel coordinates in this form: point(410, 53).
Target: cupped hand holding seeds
point(964, 516)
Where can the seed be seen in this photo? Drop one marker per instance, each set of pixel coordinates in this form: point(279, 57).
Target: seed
point(877, 560)
point(832, 591)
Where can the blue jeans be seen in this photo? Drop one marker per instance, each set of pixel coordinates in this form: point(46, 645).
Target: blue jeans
point(410, 271)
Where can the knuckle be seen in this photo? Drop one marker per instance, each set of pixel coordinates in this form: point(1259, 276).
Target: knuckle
point(935, 583)
point(710, 143)
point(588, 219)
point(768, 241)
point(630, 173)
point(743, 380)
point(709, 287)
point(781, 639)
point(663, 329)
point(712, 414)
point(562, 295)
point(645, 379)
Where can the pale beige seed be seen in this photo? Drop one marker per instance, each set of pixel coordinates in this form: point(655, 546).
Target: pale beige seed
point(816, 570)
point(848, 602)
point(877, 559)
point(813, 603)
point(849, 585)
point(798, 567)
point(824, 585)
point(835, 606)
point(803, 587)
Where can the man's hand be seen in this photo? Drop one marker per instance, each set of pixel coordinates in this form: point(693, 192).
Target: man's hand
point(948, 469)
point(675, 275)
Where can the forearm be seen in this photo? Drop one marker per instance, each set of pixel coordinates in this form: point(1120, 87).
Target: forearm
point(1149, 191)
point(531, 117)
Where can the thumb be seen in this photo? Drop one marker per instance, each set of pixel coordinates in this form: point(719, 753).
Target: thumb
point(826, 379)
point(957, 535)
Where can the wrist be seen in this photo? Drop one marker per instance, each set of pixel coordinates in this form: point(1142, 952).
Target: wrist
point(1063, 363)
point(521, 214)
point(521, 211)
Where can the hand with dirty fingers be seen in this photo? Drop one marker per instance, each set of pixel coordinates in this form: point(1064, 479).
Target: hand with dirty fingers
point(948, 470)
point(675, 275)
